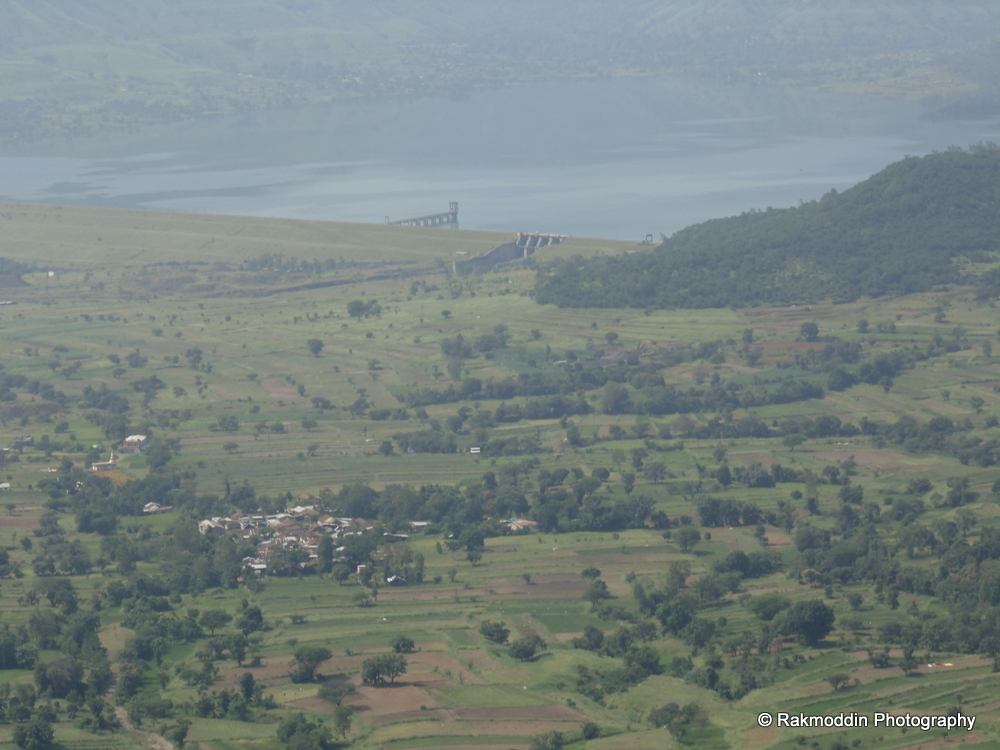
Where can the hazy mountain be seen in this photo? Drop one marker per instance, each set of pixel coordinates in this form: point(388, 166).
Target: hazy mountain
point(74, 65)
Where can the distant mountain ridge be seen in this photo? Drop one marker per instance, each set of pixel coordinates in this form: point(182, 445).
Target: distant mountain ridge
point(897, 232)
point(81, 66)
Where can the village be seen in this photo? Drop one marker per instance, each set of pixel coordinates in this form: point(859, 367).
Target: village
point(303, 528)
point(299, 528)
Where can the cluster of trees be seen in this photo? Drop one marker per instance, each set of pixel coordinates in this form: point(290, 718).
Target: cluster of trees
point(895, 233)
point(360, 308)
point(648, 394)
point(382, 669)
point(458, 347)
point(678, 606)
point(278, 263)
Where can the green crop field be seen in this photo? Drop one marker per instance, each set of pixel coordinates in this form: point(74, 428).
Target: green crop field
point(212, 355)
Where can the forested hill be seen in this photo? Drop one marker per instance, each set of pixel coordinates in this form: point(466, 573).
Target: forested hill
point(897, 232)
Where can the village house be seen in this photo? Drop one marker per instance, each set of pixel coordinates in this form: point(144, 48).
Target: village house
point(521, 524)
point(135, 443)
point(108, 465)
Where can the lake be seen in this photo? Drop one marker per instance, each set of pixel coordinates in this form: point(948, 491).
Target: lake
point(607, 158)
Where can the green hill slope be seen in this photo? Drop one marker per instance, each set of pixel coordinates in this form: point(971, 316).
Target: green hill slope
point(897, 232)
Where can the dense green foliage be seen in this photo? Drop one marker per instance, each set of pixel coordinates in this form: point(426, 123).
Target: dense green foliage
point(898, 232)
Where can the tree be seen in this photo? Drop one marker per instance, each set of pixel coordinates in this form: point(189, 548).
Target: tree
point(60, 677)
point(315, 346)
point(638, 455)
point(977, 402)
point(298, 733)
point(793, 441)
point(811, 621)
point(525, 648)
point(768, 606)
point(342, 719)
point(494, 631)
point(655, 471)
point(385, 448)
point(809, 331)
point(551, 740)
point(179, 733)
point(37, 734)
point(402, 644)
point(341, 573)
point(591, 573)
point(837, 681)
point(213, 619)
point(677, 719)
point(597, 592)
point(324, 554)
point(251, 620)
point(336, 691)
point(306, 660)
point(230, 447)
point(687, 537)
point(628, 482)
point(248, 685)
point(378, 669)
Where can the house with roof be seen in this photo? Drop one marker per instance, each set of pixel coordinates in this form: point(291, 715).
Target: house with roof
point(135, 443)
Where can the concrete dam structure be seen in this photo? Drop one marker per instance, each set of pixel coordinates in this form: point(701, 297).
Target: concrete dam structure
point(448, 218)
point(523, 246)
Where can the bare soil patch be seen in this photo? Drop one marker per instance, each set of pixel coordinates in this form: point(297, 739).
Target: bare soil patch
point(776, 538)
point(493, 727)
point(279, 389)
point(527, 713)
point(273, 672)
point(760, 737)
point(421, 668)
point(561, 584)
point(115, 477)
point(18, 523)
point(314, 705)
point(480, 659)
point(390, 700)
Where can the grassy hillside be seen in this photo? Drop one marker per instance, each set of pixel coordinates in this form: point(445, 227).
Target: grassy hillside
point(96, 65)
point(857, 441)
point(915, 224)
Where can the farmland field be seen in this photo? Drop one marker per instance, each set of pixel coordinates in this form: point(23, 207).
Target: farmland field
point(206, 326)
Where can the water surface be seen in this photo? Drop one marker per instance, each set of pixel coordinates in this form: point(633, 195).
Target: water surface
point(613, 158)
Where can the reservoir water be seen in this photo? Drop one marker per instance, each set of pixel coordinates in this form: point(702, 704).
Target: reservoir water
point(610, 158)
